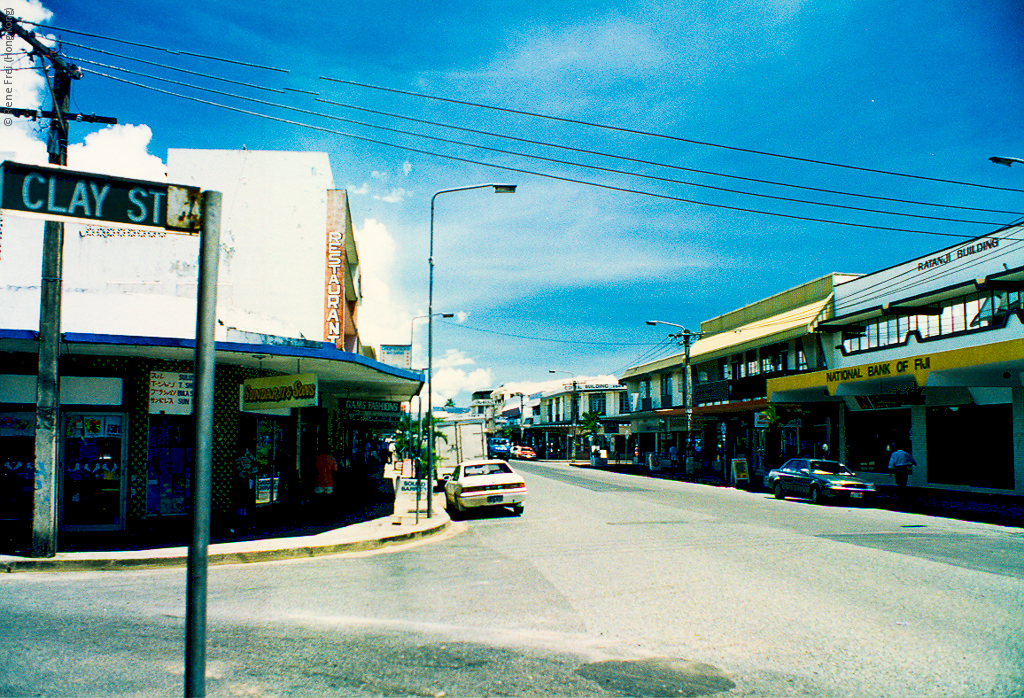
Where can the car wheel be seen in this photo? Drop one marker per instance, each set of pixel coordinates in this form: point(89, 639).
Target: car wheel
point(779, 493)
point(517, 509)
point(815, 495)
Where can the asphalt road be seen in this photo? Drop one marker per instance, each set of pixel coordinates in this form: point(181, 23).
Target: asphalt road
point(609, 584)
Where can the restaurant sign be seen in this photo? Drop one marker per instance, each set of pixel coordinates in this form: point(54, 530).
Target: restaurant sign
point(280, 392)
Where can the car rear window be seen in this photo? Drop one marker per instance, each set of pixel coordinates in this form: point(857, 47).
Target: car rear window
point(486, 469)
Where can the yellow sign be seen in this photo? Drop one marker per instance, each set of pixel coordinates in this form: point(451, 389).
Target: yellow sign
point(279, 392)
point(917, 367)
point(885, 369)
point(739, 470)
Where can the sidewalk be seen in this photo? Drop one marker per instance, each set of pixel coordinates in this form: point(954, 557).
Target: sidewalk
point(1000, 509)
point(372, 534)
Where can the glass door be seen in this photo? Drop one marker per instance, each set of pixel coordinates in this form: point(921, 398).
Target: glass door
point(93, 482)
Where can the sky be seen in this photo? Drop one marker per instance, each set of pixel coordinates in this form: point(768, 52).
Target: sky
point(659, 149)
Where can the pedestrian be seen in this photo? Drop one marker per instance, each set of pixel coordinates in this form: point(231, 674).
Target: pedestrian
point(326, 466)
point(901, 464)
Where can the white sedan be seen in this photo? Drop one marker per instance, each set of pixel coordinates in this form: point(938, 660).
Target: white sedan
point(484, 483)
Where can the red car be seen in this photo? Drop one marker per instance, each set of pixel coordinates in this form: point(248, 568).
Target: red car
point(523, 453)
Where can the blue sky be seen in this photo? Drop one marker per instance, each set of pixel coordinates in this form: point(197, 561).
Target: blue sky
point(563, 275)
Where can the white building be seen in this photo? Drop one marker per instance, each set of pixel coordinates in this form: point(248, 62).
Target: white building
point(288, 289)
point(929, 354)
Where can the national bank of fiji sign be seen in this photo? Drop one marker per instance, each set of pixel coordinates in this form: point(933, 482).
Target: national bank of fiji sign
point(62, 194)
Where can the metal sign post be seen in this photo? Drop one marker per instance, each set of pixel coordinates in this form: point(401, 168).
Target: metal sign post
point(205, 362)
point(59, 193)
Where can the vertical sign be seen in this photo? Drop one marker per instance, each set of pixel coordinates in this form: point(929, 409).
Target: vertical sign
point(334, 284)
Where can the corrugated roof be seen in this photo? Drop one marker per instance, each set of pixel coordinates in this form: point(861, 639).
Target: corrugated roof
point(777, 328)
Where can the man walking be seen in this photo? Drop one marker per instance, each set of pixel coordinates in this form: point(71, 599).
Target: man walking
point(901, 464)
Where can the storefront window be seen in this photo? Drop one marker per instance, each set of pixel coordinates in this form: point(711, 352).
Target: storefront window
point(93, 455)
point(264, 444)
point(17, 465)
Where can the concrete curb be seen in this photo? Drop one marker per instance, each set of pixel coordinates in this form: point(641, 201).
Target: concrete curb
point(362, 537)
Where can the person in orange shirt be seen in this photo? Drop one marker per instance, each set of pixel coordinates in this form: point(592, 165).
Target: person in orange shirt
point(326, 466)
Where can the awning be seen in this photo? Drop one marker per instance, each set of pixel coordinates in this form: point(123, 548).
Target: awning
point(340, 373)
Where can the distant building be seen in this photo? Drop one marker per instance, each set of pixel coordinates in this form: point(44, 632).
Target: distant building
point(730, 363)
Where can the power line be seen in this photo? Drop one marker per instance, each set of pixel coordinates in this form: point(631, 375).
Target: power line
point(157, 48)
point(680, 139)
point(169, 67)
point(533, 338)
point(652, 163)
point(534, 157)
point(508, 168)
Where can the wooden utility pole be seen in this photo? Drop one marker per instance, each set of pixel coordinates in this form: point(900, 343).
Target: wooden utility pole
point(44, 511)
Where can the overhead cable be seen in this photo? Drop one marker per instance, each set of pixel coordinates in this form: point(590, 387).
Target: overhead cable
point(175, 52)
point(507, 168)
point(535, 157)
point(680, 139)
point(639, 161)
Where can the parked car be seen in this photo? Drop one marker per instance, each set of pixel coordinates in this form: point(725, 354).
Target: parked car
point(499, 447)
point(484, 483)
point(817, 480)
point(523, 453)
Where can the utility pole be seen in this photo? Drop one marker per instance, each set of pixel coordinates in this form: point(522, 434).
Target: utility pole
point(686, 336)
point(44, 511)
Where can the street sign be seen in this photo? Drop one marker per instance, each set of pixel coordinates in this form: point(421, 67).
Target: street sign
point(62, 194)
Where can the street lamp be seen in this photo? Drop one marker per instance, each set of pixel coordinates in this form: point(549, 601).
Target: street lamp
point(498, 189)
point(687, 336)
point(1005, 161)
point(575, 412)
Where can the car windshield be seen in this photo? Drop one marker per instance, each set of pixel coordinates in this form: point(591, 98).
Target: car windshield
point(829, 467)
point(486, 469)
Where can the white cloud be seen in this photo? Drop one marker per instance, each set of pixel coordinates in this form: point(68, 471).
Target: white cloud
point(454, 374)
point(406, 168)
point(120, 150)
point(362, 190)
point(382, 318)
point(396, 196)
point(20, 137)
point(379, 175)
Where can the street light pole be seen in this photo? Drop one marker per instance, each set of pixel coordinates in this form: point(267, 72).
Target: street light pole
point(687, 336)
point(1006, 161)
point(498, 189)
point(575, 413)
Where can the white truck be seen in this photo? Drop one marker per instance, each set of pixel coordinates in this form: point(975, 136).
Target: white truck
point(467, 440)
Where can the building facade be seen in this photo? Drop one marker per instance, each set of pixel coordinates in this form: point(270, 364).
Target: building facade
point(928, 355)
point(730, 363)
point(559, 427)
point(292, 379)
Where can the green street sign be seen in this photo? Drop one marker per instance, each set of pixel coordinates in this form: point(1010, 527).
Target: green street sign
point(62, 194)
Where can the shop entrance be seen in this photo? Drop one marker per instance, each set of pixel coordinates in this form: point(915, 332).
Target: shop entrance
point(870, 435)
point(92, 472)
point(171, 449)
